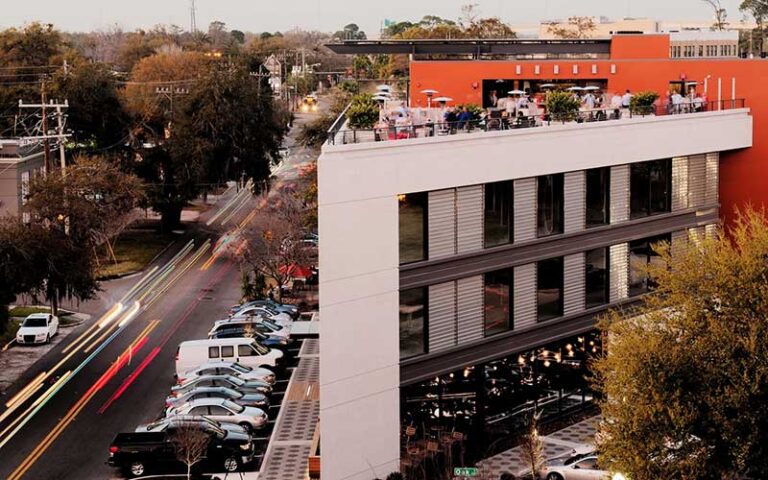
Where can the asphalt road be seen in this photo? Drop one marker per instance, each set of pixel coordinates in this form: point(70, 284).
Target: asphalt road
point(114, 372)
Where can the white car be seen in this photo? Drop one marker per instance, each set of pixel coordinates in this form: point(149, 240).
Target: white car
point(163, 424)
point(230, 368)
point(223, 410)
point(576, 467)
point(267, 312)
point(38, 328)
point(269, 327)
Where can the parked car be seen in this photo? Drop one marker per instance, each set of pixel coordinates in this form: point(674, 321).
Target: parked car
point(267, 312)
point(230, 368)
point(267, 327)
point(230, 381)
point(246, 351)
point(249, 330)
point(576, 467)
point(38, 328)
point(223, 410)
point(245, 399)
point(138, 453)
point(186, 420)
point(291, 310)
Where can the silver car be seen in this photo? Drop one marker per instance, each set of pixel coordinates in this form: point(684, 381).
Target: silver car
point(176, 420)
point(245, 399)
point(222, 410)
point(230, 381)
point(231, 368)
point(576, 467)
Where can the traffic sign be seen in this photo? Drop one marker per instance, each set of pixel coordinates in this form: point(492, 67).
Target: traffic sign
point(465, 472)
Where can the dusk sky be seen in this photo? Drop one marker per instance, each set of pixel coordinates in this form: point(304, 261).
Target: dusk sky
point(330, 15)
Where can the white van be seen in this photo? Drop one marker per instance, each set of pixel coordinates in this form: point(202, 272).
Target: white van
point(246, 351)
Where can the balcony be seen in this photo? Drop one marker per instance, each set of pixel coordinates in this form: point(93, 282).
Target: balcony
point(429, 123)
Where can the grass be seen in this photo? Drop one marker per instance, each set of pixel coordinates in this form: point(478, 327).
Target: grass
point(133, 250)
point(9, 333)
point(23, 312)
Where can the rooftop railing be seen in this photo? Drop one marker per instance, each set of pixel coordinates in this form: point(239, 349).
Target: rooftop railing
point(401, 129)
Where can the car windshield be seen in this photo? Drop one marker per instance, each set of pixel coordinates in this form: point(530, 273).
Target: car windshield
point(214, 429)
point(232, 393)
point(261, 349)
point(235, 381)
point(270, 309)
point(241, 368)
point(154, 425)
point(273, 326)
point(232, 406)
point(576, 458)
point(35, 322)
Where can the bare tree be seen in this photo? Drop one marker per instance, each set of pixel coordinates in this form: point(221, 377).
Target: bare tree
point(720, 14)
point(532, 446)
point(577, 27)
point(273, 241)
point(190, 445)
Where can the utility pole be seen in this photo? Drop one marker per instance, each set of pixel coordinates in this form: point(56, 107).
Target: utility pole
point(40, 130)
point(45, 129)
point(192, 15)
point(169, 92)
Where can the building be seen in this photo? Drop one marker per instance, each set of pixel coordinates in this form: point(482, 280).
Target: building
point(19, 162)
point(605, 27)
point(463, 274)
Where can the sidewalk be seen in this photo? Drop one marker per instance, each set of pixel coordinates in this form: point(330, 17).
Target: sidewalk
point(579, 437)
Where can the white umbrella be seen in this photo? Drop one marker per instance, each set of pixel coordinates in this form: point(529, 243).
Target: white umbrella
point(429, 91)
point(384, 87)
point(590, 88)
point(547, 85)
point(443, 99)
point(516, 92)
point(381, 98)
point(574, 89)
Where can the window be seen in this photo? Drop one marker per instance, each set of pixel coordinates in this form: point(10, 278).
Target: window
point(498, 213)
point(642, 254)
point(228, 351)
point(199, 411)
point(217, 410)
point(245, 351)
point(413, 227)
point(596, 275)
point(587, 464)
point(498, 302)
point(598, 196)
point(650, 188)
point(413, 319)
point(550, 205)
point(701, 50)
point(213, 352)
point(549, 292)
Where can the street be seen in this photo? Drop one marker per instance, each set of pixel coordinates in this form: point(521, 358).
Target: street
point(115, 371)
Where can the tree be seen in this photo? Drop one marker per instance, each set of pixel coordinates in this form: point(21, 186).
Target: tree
point(190, 445)
point(577, 27)
point(532, 446)
point(273, 240)
point(350, 32)
point(759, 11)
point(683, 388)
point(720, 14)
point(19, 251)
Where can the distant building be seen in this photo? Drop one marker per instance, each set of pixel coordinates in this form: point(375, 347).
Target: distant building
point(275, 69)
point(605, 27)
point(20, 160)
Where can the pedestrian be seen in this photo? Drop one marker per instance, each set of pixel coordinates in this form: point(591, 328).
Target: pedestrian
point(626, 100)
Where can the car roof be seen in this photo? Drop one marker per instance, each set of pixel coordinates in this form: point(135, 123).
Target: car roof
point(206, 402)
point(200, 378)
point(212, 342)
point(39, 315)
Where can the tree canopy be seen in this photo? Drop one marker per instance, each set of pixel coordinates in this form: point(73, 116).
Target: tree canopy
point(684, 385)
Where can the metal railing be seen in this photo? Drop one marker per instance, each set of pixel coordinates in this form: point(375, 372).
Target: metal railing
point(498, 121)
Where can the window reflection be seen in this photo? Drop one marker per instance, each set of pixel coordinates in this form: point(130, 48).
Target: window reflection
point(598, 196)
point(413, 319)
point(498, 303)
point(549, 292)
point(650, 188)
point(498, 213)
point(641, 255)
point(596, 274)
point(550, 205)
point(413, 227)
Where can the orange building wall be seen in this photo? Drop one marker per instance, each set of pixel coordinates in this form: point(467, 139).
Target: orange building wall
point(744, 174)
point(639, 47)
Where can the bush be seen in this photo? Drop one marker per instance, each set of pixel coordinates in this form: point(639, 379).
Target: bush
point(642, 102)
point(363, 112)
point(562, 107)
point(314, 133)
point(349, 86)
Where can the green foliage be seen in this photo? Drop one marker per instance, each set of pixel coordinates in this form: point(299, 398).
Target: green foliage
point(562, 107)
point(683, 389)
point(253, 285)
point(642, 102)
point(315, 133)
point(363, 112)
point(350, 32)
point(350, 86)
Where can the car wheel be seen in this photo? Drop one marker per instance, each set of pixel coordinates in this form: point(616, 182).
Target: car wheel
point(247, 426)
point(231, 464)
point(554, 476)
point(137, 468)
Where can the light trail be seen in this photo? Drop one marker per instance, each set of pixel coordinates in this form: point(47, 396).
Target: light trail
point(22, 393)
point(131, 378)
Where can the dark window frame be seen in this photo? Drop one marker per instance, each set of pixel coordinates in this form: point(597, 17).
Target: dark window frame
point(606, 287)
point(557, 212)
point(425, 321)
point(641, 189)
point(510, 320)
point(424, 229)
point(499, 189)
point(540, 305)
point(606, 197)
point(644, 246)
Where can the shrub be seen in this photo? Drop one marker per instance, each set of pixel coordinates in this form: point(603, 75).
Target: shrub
point(315, 133)
point(349, 86)
point(562, 107)
point(642, 102)
point(363, 112)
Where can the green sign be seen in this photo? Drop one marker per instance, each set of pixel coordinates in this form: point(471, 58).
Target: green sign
point(464, 472)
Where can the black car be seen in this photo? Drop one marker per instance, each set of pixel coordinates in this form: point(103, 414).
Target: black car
point(138, 453)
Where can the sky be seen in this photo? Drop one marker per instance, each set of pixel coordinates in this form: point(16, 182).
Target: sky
point(330, 15)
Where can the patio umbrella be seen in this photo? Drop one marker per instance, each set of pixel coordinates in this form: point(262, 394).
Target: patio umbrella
point(547, 85)
point(383, 87)
point(429, 93)
point(516, 92)
point(590, 88)
point(443, 99)
point(574, 89)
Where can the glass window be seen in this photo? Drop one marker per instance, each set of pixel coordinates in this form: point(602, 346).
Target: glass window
point(549, 292)
point(498, 213)
point(413, 319)
point(245, 351)
point(217, 410)
point(213, 352)
point(642, 254)
point(650, 188)
point(228, 351)
point(550, 205)
point(498, 301)
point(596, 277)
point(598, 196)
point(413, 227)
